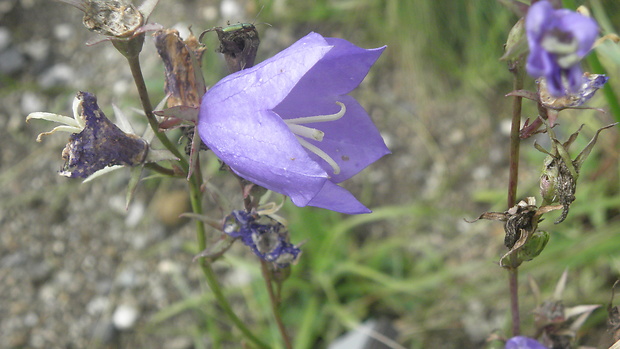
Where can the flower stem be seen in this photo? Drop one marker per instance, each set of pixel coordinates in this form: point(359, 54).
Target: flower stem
point(136, 72)
point(195, 194)
point(275, 302)
point(513, 173)
point(195, 198)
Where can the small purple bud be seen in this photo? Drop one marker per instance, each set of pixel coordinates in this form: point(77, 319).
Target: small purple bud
point(522, 342)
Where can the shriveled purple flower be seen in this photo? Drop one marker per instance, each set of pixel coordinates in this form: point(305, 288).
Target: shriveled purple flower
point(268, 240)
point(522, 342)
point(253, 120)
point(558, 40)
point(95, 142)
point(590, 84)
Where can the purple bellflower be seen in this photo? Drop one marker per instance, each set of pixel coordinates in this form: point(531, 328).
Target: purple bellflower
point(522, 342)
point(558, 40)
point(287, 124)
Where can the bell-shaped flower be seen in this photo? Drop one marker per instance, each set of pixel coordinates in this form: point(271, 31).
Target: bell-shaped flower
point(287, 124)
point(558, 40)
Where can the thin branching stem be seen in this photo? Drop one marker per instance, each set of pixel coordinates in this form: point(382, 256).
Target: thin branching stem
point(136, 72)
point(195, 194)
point(513, 174)
point(275, 303)
point(195, 182)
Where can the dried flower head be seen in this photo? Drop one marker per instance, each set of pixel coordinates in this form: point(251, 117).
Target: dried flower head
point(520, 224)
point(267, 238)
point(119, 21)
point(556, 323)
point(558, 181)
point(239, 45)
point(95, 142)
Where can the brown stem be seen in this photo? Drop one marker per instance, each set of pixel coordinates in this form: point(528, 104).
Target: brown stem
point(275, 301)
point(136, 72)
point(515, 142)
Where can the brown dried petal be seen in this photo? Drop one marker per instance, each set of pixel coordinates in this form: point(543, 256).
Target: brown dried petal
point(181, 84)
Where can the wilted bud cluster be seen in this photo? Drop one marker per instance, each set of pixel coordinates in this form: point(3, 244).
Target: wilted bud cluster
point(558, 180)
point(520, 224)
point(239, 45)
point(95, 142)
point(268, 239)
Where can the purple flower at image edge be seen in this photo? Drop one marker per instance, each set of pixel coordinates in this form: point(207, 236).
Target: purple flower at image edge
point(558, 40)
point(522, 342)
point(287, 124)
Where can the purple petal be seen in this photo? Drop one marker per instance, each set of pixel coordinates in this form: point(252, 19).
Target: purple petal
point(522, 342)
point(539, 62)
point(583, 28)
point(336, 198)
point(265, 85)
point(341, 70)
point(259, 147)
point(538, 19)
point(575, 79)
point(241, 120)
point(353, 141)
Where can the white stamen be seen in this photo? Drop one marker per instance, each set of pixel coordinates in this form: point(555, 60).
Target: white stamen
point(553, 44)
point(320, 153)
point(77, 105)
point(307, 132)
point(312, 133)
point(319, 118)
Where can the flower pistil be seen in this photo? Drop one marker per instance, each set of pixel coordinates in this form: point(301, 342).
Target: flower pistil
point(295, 125)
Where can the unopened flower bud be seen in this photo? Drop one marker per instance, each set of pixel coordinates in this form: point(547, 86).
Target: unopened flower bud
point(239, 44)
point(534, 246)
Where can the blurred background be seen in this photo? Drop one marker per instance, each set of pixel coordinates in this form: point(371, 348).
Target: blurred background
point(78, 269)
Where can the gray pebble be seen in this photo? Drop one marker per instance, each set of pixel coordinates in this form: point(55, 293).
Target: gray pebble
point(59, 74)
point(11, 61)
point(125, 317)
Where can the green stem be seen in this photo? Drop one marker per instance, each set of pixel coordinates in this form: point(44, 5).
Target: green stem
point(515, 142)
point(207, 270)
point(275, 302)
point(160, 169)
point(136, 72)
point(195, 194)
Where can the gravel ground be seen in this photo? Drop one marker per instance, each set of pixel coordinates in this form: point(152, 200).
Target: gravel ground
point(77, 270)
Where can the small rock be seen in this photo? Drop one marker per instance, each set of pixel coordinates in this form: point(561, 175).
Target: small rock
point(11, 61)
point(179, 343)
point(31, 102)
point(5, 38)
point(97, 305)
point(37, 50)
point(231, 9)
point(105, 332)
point(125, 317)
point(63, 31)
point(60, 74)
